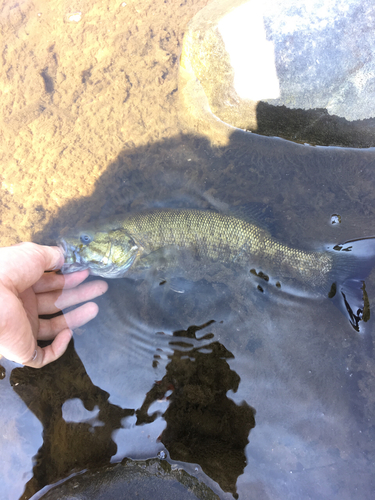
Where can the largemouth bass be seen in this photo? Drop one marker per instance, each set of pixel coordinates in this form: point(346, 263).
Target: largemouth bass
point(152, 240)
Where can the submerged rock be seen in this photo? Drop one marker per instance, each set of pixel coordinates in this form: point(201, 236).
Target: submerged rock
point(303, 71)
point(152, 478)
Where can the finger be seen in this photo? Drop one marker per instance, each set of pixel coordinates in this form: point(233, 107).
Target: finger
point(22, 265)
point(45, 355)
point(52, 281)
point(49, 328)
point(52, 302)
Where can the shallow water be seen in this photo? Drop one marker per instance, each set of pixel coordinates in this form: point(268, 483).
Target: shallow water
point(258, 394)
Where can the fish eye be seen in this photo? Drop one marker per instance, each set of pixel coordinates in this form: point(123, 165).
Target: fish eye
point(85, 238)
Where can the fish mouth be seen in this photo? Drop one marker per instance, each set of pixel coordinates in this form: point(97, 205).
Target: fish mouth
point(72, 261)
point(61, 243)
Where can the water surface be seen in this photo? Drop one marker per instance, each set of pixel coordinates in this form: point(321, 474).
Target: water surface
point(259, 395)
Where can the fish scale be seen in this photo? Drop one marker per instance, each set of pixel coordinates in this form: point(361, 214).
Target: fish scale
point(216, 236)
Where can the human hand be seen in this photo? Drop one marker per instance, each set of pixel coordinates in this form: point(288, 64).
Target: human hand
point(26, 292)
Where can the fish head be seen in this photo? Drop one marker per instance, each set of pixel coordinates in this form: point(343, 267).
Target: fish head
point(105, 253)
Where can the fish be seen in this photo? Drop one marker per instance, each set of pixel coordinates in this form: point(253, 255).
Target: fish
point(156, 240)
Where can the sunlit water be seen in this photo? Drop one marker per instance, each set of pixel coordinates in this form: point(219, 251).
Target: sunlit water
point(260, 395)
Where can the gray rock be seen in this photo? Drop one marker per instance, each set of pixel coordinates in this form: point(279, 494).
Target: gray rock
point(152, 478)
point(304, 71)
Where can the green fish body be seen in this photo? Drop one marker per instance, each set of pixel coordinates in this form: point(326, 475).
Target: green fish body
point(165, 238)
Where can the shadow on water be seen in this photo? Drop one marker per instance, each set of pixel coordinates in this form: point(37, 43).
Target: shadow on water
point(297, 362)
point(299, 182)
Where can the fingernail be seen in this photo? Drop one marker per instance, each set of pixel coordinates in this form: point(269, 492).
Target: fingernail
point(34, 355)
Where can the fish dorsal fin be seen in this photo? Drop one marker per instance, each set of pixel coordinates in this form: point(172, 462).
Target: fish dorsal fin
point(255, 213)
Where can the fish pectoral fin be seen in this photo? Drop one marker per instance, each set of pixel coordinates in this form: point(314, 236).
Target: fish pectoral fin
point(354, 302)
point(157, 260)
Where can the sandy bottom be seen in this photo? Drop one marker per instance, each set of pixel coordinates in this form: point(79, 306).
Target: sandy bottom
point(74, 95)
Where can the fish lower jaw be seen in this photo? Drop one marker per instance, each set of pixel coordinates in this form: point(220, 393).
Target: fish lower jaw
point(108, 272)
point(72, 267)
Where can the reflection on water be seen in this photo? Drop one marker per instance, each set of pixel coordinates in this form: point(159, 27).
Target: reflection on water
point(204, 426)
point(67, 446)
point(140, 380)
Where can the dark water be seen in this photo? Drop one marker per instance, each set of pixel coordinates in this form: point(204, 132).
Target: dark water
point(259, 395)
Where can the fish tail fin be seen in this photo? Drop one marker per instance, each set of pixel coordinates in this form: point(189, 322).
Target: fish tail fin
point(353, 262)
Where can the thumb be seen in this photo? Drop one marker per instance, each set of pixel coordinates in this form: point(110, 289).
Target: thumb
point(44, 355)
point(22, 265)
